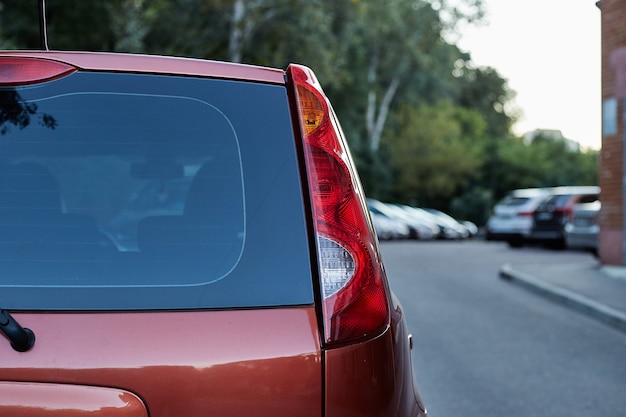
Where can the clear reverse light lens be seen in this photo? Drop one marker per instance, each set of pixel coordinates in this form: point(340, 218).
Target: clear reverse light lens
point(336, 266)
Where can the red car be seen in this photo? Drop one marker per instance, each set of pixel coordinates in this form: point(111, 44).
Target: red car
point(183, 237)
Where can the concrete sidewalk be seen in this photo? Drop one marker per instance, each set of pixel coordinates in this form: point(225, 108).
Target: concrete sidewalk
point(599, 291)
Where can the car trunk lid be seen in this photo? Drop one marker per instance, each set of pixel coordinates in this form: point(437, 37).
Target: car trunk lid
point(168, 363)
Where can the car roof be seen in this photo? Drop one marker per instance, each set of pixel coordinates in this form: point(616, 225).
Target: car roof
point(530, 192)
point(593, 206)
point(155, 64)
point(591, 189)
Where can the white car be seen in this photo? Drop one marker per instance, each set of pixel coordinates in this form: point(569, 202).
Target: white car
point(512, 218)
point(417, 229)
point(388, 228)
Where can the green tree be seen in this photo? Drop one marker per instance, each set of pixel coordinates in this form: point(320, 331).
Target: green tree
point(434, 153)
point(191, 28)
point(394, 46)
point(546, 162)
point(72, 24)
point(484, 90)
point(262, 32)
point(113, 25)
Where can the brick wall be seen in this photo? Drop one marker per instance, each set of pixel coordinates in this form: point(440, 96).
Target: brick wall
point(613, 14)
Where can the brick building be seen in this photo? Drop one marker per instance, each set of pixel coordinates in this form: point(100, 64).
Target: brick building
point(612, 233)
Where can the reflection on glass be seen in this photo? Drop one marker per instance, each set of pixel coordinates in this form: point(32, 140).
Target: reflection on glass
point(17, 112)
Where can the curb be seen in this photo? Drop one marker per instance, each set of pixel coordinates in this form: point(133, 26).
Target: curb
point(592, 308)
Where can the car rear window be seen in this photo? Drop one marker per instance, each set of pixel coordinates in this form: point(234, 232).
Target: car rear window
point(126, 191)
point(587, 198)
point(563, 200)
point(514, 201)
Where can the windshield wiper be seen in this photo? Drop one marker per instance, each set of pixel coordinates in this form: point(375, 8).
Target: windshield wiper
point(21, 338)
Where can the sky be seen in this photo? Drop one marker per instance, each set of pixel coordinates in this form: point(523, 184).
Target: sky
point(549, 51)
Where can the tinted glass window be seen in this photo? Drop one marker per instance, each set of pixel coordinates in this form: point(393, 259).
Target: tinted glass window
point(514, 201)
point(555, 201)
point(564, 200)
point(587, 198)
point(135, 191)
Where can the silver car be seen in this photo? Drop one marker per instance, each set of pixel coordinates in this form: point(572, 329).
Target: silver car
point(583, 227)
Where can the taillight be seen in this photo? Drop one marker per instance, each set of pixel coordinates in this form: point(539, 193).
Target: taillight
point(525, 214)
point(566, 213)
point(23, 70)
point(353, 283)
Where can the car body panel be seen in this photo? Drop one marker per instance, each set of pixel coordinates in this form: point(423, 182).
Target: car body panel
point(23, 399)
point(103, 61)
point(206, 361)
point(359, 384)
point(583, 228)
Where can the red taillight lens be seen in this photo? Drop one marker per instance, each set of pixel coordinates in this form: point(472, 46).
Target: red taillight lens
point(566, 213)
point(22, 70)
point(353, 284)
point(525, 214)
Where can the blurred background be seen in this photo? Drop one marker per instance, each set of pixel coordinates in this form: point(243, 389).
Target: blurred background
point(427, 126)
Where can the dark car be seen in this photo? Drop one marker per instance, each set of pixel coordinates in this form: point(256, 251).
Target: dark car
point(551, 216)
point(182, 237)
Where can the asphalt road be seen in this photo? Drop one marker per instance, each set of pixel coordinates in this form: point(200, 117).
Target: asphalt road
point(484, 347)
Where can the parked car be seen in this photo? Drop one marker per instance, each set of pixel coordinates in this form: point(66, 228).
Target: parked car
point(452, 228)
point(431, 228)
point(417, 229)
point(471, 227)
point(512, 217)
point(258, 288)
point(388, 228)
point(552, 214)
point(583, 228)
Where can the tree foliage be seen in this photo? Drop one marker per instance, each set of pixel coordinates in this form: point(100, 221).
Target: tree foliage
point(425, 125)
point(434, 152)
